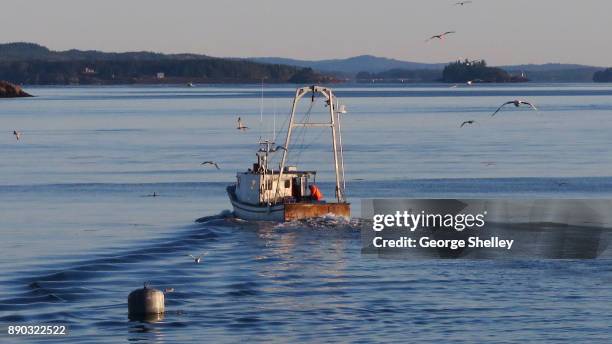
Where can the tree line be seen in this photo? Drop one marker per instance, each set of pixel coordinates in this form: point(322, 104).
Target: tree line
point(477, 71)
point(603, 76)
point(210, 70)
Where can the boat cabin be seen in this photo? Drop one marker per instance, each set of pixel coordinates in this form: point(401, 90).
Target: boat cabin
point(261, 185)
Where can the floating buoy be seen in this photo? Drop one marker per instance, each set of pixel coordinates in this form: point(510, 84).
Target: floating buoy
point(145, 302)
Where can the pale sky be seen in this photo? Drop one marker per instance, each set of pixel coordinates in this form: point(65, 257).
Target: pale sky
point(500, 31)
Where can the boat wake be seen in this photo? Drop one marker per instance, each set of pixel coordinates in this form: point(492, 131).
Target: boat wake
point(328, 221)
point(50, 284)
point(225, 214)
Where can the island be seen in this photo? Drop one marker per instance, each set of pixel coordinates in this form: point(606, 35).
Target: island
point(477, 71)
point(603, 76)
point(8, 90)
point(455, 72)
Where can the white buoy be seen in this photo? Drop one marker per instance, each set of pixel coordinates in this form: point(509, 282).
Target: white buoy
point(145, 302)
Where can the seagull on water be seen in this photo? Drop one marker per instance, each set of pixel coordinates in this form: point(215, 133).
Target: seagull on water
point(461, 3)
point(17, 134)
point(240, 125)
point(440, 36)
point(198, 259)
point(516, 103)
point(168, 290)
point(211, 163)
point(467, 122)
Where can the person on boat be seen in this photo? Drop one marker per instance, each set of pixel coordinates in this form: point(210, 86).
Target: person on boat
point(315, 193)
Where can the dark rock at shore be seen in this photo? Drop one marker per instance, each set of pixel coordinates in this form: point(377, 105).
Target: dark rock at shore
point(8, 90)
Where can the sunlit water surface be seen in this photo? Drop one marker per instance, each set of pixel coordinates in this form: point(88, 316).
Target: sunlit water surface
point(79, 233)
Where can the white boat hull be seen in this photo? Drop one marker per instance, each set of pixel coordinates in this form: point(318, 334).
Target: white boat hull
point(256, 213)
point(286, 212)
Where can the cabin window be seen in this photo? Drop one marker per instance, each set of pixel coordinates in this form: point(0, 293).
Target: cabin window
point(269, 185)
point(287, 184)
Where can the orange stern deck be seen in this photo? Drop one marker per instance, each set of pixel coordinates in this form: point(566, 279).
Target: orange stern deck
point(299, 211)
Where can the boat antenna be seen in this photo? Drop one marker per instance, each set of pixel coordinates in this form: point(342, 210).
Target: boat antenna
point(274, 121)
point(261, 110)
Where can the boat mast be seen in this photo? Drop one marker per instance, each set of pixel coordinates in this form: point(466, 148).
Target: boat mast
point(339, 111)
point(332, 123)
point(332, 115)
point(298, 94)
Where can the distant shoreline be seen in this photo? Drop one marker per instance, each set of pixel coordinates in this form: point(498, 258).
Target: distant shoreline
point(33, 64)
point(336, 83)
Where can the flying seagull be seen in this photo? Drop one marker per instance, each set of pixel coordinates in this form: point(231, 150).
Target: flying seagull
point(240, 125)
point(440, 36)
point(516, 103)
point(211, 163)
point(277, 148)
point(461, 3)
point(467, 122)
point(198, 259)
point(17, 134)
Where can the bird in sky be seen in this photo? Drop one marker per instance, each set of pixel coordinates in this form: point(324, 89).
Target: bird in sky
point(17, 134)
point(467, 122)
point(461, 3)
point(516, 103)
point(440, 36)
point(240, 125)
point(211, 163)
point(198, 259)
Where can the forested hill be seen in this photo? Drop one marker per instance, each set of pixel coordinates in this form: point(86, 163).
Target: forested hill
point(28, 63)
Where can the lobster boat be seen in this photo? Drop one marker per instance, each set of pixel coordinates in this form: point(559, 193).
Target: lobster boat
point(285, 193)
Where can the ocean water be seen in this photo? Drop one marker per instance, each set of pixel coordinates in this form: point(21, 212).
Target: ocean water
point(79, 232)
